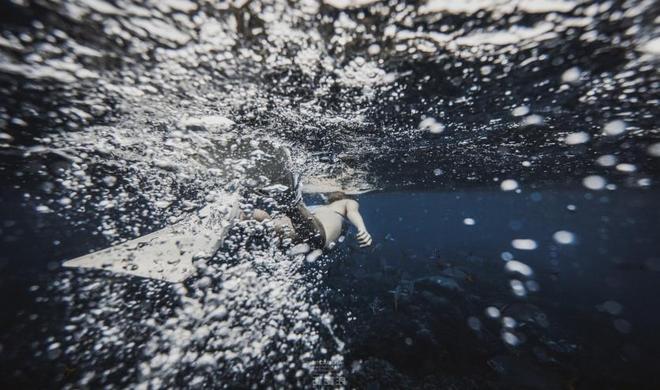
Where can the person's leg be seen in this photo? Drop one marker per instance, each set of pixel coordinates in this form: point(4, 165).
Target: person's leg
point(284, 227)
point(281, 224)
point(306, 226)
point(260, 215)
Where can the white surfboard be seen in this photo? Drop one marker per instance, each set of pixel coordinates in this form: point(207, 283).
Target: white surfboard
point(167, 254)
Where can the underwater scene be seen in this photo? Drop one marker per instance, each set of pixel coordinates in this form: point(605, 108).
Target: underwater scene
point(350, 194)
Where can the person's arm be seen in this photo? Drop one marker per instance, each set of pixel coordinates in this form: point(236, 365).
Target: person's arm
point(353, 215)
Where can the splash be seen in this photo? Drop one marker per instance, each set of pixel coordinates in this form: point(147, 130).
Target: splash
point(132, 114)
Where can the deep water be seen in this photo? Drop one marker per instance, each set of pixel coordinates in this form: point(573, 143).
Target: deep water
point(412, 308)
point(511, 149)
point(409, 338)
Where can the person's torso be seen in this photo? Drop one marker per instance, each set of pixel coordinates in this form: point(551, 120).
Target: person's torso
point(331, 218)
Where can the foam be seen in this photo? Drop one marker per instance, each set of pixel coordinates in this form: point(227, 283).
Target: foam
point(546, 6)
point(101, 7)
point(512, 36)
point(37, 72)
point(159, 29)
point(347, 4)
point(208, 121)
point(471, 7)
point(467, 6)
point(176, 5)
point(184, 83)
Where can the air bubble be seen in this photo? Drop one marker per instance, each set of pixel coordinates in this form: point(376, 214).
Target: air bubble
point(564, 237)
point(508, 185)
point(506, 256)
point(607, 160)
point(612, 307)
point(474, 323)
point(510, 338)
point(431, 125)
point(628, 168)
point(623, 326)
point(614, 127)
point(518, 288)
point(43, 209)
point(524, 244)
point(509, 322)
point(520, 111)
point(571, 75)
point(492, 312)
point(518, 267)
point(110, 181)
point(594, 182)
point(577, 138)
point(654, 149)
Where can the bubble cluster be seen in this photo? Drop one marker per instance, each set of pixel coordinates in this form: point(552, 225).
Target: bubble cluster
point(132, 115)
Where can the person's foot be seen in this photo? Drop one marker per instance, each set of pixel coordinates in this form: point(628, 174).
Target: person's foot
point(288, 193)
point(296, 188)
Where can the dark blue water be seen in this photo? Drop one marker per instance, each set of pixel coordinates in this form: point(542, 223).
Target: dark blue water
point(424, 337)
point(411, 309)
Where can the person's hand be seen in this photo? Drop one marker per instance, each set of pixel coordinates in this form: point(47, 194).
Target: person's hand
point(364, 238)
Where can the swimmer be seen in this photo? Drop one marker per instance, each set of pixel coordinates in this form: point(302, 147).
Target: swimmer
point(319, 226)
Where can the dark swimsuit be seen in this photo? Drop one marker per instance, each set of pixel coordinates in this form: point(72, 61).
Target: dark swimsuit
point(308, 228)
